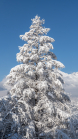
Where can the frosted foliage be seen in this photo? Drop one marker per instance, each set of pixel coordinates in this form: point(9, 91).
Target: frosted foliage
point(37, 107)
point(42, 85)
point(58, 64)
point(58, 83)
point(46, 39)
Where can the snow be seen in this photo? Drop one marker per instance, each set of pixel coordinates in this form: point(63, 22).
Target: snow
point(58, 83)
point(46, 39)
point(58, 64)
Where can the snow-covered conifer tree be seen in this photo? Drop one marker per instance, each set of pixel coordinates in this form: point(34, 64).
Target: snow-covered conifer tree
point(36, 106)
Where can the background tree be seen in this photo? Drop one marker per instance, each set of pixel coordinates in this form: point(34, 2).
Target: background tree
point(36, 105)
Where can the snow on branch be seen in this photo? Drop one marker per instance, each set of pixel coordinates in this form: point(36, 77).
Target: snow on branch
point(58, 64)
point(46, 39)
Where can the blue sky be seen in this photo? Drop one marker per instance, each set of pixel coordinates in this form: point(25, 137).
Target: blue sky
point(60, 15)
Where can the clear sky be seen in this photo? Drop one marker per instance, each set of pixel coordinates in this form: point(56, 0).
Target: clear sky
point(60, 15)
